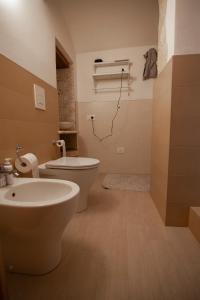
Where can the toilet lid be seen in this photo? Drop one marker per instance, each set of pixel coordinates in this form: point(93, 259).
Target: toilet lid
point(73, 163)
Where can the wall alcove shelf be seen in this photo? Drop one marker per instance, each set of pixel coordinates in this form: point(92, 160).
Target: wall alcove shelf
point(116, 75)
point(67, 131)
point(113, 63)
point(112, 73)
point(71, 141)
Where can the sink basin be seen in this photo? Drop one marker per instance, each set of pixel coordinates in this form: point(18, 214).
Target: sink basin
point(37, 192)
point(33, 215)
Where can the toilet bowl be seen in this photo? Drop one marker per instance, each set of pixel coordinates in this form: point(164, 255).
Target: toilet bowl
point(81, 170)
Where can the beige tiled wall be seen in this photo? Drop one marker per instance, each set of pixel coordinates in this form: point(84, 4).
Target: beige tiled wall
point(194, 221)
point(132, 130)
point(161, 138)
point(184, 163)
point(183, 168)
point(20, 122)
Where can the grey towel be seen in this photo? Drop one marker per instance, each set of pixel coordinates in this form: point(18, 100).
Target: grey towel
point(150, 69)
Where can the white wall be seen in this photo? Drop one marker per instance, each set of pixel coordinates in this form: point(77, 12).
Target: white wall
point(179, 29)
point(85, 68)
point(60, 28)
point(170, 27)
point(132, 127)
point(108, 24)
point(187, 35)
point(166, 32)
point(28, 30)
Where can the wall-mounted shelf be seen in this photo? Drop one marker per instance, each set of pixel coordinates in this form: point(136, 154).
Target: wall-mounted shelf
point(67, 132)
point(126, 88)
point(112, 63)
point(71, 141)
point(116, 75)
point(113, 70)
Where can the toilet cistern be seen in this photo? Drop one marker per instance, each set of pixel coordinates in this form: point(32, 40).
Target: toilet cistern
point(61, 144)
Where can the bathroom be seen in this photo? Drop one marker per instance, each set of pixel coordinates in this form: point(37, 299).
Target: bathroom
point(136, 235)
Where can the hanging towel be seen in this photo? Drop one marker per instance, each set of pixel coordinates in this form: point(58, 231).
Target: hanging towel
point(150, 68)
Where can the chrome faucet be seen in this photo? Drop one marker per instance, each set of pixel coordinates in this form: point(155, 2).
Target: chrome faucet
point(4, 173)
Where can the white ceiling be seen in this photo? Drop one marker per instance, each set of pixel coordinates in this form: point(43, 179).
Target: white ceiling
point(108, 24)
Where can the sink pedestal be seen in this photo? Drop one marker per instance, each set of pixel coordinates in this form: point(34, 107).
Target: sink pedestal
point(33, 217)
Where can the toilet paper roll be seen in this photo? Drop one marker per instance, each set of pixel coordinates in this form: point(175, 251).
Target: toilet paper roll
point(60, 143)
point(30, 164)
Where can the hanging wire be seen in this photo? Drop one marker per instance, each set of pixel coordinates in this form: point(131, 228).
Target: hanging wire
point(114, 116)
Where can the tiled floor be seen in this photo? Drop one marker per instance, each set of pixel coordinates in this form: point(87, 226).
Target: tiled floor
point(118, 250)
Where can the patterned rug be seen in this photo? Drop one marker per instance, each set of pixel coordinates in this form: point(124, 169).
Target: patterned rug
point(138, 183)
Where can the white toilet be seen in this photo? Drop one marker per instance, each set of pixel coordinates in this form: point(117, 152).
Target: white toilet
point(81, 170)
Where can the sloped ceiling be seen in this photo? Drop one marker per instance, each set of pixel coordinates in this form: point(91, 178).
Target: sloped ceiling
point(107, 24)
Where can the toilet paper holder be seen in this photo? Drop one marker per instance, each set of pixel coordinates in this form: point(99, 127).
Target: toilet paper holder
point(60, 144)
point(18, 149)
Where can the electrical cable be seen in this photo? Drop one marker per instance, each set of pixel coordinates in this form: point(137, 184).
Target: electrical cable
point(114, 117)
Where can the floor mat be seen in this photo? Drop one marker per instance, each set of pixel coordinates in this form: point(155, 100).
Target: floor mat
point(138, 183)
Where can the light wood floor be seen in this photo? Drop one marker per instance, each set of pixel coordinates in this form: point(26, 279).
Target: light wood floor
point(118, 250)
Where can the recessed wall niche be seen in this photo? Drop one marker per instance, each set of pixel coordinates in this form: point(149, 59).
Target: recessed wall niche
point(66, 97)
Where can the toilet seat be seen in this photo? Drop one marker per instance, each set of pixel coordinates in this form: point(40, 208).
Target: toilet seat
point(73, 163)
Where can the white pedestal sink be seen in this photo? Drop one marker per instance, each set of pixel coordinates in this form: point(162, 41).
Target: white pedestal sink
point(33, 216)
